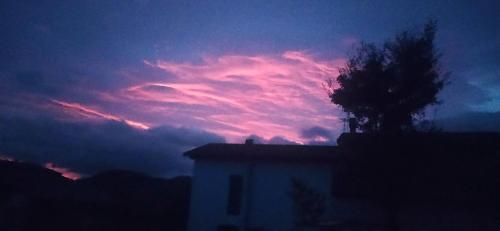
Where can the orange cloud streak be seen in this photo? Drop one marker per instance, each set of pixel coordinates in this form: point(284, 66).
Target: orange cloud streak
point(86, 111)
point(237, 95)
point(63, 171)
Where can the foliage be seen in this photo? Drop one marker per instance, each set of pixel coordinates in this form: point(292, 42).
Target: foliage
point(309, 205)
point(386, 88)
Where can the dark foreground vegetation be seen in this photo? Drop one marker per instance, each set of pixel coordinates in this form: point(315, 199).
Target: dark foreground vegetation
point(35, 198)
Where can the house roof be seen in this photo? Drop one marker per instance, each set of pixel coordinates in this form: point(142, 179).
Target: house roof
point(361, 147)
point(269, 152)
point(448, 168)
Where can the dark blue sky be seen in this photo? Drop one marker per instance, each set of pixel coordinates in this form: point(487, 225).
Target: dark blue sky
point(220, 69)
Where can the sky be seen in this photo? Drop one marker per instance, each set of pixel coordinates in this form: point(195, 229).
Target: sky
point(91, 85)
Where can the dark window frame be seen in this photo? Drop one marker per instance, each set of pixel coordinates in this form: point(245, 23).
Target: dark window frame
point(235, 195)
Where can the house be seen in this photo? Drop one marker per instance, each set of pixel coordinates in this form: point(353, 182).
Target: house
point(247, 186)
point(418, 181)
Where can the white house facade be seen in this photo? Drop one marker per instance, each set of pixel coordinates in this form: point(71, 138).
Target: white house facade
point(413, 182)
point(248, 186)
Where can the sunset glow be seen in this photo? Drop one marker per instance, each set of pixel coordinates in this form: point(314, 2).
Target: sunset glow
point(63, 171)
point(236, 95)
point(96, 85)
point(232, 95)
point(88, 112)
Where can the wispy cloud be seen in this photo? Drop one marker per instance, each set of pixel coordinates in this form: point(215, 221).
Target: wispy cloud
point(239, 95)
point(86, 111)
point(163, 108)
point(63, 171)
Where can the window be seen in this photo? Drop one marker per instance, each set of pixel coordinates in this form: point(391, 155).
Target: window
point(227, 228)
point(235, 195)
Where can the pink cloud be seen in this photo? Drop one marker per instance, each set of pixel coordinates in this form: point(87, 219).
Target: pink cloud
point(89, 112)
point(230, 95)
point(238, 95)
point(63, 171)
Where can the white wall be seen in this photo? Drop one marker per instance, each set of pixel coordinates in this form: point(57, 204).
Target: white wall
point(268, 183)
point(271, 206)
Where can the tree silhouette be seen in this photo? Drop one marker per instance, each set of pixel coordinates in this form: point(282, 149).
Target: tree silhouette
point(386, 88)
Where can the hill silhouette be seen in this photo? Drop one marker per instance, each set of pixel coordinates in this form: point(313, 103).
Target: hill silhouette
point(36, 198)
